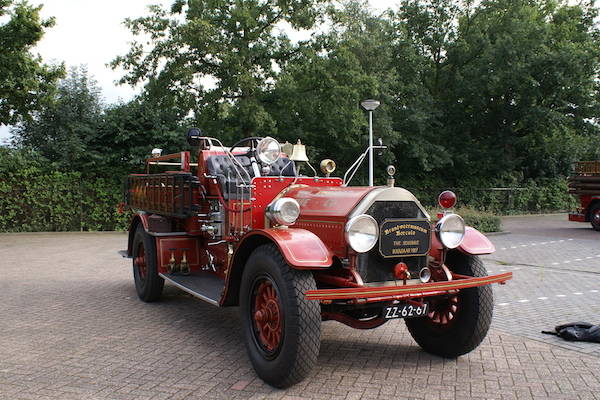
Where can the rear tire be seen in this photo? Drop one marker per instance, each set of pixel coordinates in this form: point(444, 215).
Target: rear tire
point(456, 325)
point(595, 216)
point(148, 284)
point(282, 328)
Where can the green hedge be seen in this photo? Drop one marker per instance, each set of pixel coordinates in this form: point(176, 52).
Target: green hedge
point(481, 220)
point(535, 197)
point(34, 197)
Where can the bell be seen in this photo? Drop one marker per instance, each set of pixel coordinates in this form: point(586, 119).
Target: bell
point(299, 152)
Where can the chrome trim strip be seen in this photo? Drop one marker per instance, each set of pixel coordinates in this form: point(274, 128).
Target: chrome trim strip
point(386, 194)
point(161, 234)
point(185, 289)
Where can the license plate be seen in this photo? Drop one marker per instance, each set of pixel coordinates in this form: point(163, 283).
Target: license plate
point(404, 311)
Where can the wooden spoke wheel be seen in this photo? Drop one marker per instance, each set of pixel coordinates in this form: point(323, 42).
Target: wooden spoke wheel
point(139, 262)
point(267, 315)
point(281, 327)
point(442, 311)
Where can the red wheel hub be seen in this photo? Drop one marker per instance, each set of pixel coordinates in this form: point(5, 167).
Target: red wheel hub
point(267, 315)
point(443, 311)
point(140, 261)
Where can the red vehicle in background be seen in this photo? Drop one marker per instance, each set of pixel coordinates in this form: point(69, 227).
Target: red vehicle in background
point(585, 184)
point(242, 226)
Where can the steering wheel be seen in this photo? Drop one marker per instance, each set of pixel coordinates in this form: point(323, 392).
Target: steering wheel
point(253, 141)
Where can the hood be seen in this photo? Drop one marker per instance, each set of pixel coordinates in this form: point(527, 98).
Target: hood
point(327, 201)
point(343, 202)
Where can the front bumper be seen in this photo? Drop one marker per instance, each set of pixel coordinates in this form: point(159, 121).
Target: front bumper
point(577, 217)
point(387, 293)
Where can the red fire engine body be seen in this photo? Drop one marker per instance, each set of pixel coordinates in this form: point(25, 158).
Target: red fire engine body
point(585, 184)
point(242, 227)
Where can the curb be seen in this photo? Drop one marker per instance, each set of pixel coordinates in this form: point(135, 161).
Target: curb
point(497, 233)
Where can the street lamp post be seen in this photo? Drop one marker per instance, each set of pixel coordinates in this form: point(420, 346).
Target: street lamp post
point(370, 105)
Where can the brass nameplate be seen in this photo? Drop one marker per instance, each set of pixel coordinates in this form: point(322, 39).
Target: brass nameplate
point(404, 237)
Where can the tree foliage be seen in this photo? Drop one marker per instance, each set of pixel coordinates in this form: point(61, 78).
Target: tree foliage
point(215, 58)
point(515, 82)
point(64, 128)
point(77, 132)
point(26, 82)
point(473, 94)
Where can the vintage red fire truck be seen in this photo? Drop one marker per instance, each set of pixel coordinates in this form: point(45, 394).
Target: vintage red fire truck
point(243, 226)
point(585, 184)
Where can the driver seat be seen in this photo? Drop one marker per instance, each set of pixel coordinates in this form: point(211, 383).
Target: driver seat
point(222, 167)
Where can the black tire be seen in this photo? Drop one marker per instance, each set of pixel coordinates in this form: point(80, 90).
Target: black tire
point(292, 357)
point(471, 320)
point(148, 284)
point(595, 216)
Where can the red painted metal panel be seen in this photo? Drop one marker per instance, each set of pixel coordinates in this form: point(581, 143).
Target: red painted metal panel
point(318, 202)
point(476, 243)
point(577, 217)
point(383, 293)
point(266, 188)
point(177, 245)
point(301, 249)
point(324, 206)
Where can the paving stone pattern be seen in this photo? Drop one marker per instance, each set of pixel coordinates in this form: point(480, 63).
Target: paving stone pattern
point(73, 328)
point(556, 281)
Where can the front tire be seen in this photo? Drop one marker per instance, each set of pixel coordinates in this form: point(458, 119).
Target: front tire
point(457, 324)
point(148, 284)
point(282, 329)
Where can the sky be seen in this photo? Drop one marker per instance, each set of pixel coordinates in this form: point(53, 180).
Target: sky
point(91, 33)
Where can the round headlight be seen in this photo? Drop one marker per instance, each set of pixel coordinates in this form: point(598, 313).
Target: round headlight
point(362, 233)
point(268, 150)
point(283, 211)
point(451, 230)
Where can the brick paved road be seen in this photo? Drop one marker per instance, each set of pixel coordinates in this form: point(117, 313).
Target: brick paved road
point(72, 328)
point(556, 267)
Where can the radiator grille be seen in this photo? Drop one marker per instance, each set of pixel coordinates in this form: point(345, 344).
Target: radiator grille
point(372, 267)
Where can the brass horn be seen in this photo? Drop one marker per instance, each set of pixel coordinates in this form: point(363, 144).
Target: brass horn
point(327, 166)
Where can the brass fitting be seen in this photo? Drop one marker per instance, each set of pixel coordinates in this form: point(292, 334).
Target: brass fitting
point(172, 265)
point(185, 265)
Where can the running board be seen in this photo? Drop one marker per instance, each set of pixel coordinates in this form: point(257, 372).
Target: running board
point(203, 285)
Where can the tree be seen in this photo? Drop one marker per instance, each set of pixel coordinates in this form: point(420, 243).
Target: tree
point(215, 59)
point(77, 132)
point(317, 95)
point(63, 129)
point(27, 84)
point(514, 81)
point(129, 131)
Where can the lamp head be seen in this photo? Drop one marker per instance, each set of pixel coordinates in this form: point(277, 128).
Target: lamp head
point(370, 104)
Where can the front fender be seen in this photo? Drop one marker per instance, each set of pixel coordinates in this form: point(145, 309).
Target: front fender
point(476, 243)
point(301, 249)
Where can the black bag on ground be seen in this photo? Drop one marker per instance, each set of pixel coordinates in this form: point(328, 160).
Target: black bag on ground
point(577, 332)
